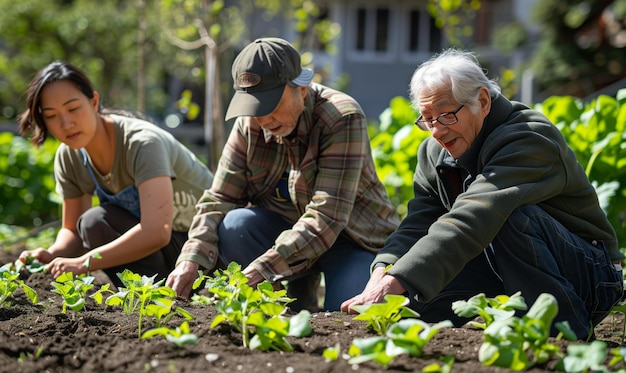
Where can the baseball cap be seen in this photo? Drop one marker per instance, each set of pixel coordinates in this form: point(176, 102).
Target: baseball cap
point(260, 73)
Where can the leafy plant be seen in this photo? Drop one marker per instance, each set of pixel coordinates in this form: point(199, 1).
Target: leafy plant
point(394, 145)
point(255, 313)
point(489, 309)
point(596, 132)
point(181, 336)
point(332, 353)
point(380, 316)
point(519, 343)
point(9, 283)
point(584, 357)
point(142, 294)
point(74, 290)
point(407, 336)
point(446, 367)
point(26, 181)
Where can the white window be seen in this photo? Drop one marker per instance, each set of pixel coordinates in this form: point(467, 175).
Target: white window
point(380, 32)
point(370, 32)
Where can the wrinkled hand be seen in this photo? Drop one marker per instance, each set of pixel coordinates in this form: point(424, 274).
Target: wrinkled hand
point(42, 255)
point(379, 285)
point(182, 277)
point(254, 276)
point(60, 265)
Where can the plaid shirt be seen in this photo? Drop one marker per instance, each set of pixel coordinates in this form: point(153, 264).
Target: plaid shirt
point(332, 185)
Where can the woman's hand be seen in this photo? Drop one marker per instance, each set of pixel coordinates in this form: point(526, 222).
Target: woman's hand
point(58, 266)
point(40, 254)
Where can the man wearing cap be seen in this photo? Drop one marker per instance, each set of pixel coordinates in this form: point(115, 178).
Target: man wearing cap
point(296, 191)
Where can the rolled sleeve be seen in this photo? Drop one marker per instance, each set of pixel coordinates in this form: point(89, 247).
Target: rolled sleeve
point(272, 266)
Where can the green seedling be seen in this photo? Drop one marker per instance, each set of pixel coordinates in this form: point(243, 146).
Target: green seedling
point(28, 355)
point(74, 290)
point(87, 262)
point(32, 265)
point(142, 294)
point(255, 313)
point(618, 356)
point(446, 367)
point(520, 343)
point(332, 353)
point(181, 336)
point(407, 336)
point(584, 358)
point(489, 309)
point(9, 283)
point(380, 316)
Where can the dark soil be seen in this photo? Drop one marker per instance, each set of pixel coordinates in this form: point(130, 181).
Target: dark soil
point(104, 339)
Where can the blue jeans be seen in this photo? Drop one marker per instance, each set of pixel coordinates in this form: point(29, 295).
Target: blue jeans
point(534, 253)
point(246, 233)
point(102, 224)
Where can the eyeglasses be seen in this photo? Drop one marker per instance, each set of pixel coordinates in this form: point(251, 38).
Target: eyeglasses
point(444, 119)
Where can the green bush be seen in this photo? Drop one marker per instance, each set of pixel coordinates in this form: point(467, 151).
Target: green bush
point(596, 131)
point(27, 182)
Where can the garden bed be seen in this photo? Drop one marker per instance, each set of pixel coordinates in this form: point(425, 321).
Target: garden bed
point(104, 339)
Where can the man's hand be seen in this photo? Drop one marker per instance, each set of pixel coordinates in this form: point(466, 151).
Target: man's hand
point(254, 277)
point(379, 285)
point(182, 277)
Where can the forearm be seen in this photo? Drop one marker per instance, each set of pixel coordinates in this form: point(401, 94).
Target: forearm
point(134, 244)
point(67, 244)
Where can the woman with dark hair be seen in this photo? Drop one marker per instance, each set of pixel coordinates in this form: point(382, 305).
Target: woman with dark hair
point(147, 182)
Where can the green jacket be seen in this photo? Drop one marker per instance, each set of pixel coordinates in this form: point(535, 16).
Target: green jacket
point(518, 158)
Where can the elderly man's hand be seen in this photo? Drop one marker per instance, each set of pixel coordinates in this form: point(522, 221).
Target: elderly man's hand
point(182, 277)
point(254, 276)
point(379, 285)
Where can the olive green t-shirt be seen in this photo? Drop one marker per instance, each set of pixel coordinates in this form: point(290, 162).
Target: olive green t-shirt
point(142, 151)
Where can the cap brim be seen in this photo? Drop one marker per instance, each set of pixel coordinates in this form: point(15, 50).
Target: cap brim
point(305, 78)
point(254, 104)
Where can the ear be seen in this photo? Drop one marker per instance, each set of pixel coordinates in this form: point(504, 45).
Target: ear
point(484, 98)
point(303, 91)
point(95, 101)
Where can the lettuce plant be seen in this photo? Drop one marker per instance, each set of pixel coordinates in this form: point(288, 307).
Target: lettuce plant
point(520, 343)
point(142, 294)
point(180, 336)
point(9, 283)
point(380, 316)
point(74, 290)
point(489, 309)
point(255, 313)
point(407, 336)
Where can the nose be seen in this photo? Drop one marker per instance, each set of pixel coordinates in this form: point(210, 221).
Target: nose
point(437, 128)
point(66, 120)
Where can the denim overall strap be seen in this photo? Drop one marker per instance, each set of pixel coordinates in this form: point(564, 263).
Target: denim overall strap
point(127, 198)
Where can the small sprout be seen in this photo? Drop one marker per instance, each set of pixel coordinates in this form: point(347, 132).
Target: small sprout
point(9, 283)
point(74, 290)
point(332, 353)
point(381, 316)
point(255, 313)
point(489, 309)
point(149, 298)
point(87, 263)
point(181, 336)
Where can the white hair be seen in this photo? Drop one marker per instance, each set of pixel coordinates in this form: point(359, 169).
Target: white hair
point(456, 70)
